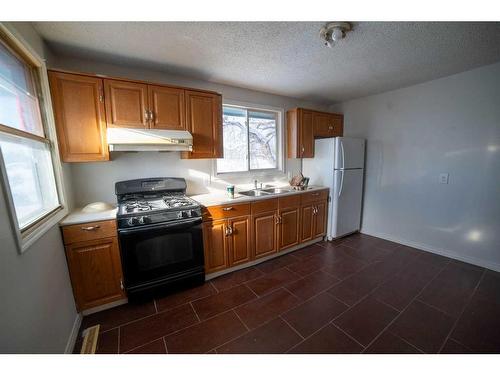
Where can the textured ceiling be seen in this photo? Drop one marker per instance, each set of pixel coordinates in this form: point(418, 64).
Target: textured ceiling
point(286, 58)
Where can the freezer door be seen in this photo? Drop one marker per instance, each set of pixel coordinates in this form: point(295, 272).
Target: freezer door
point(349, 153)
point(346, 202)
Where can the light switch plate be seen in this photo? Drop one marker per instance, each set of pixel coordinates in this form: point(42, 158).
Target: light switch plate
point(443, 178)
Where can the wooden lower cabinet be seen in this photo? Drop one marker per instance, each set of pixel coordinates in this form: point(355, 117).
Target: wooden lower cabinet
point(265, 233)
point(288, 229)
point(215, 244)
point(306, 223)
point(96, 273)
point(319, 219)
point(227, 243)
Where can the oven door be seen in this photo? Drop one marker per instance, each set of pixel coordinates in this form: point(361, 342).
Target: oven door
point(161, 251)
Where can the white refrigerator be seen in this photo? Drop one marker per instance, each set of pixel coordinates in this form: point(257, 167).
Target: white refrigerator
point(338, 163)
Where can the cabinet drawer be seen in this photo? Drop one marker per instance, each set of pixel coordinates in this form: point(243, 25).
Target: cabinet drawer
point(89, 231)
point(312, 196)
point(289, 201)
point(264, 206)
point(226, 211)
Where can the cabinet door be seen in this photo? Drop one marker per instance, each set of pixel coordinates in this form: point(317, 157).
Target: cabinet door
point(306, 223)
point(239, 240)
point(95, 271)
point(167, 106)
point(265, 234)
point(204, 121)
point(306, 143)
point(319, 218)
point(215, 245)
point(289, 227)
point(126, 104)
point(78, 103)
point(322, 125)
point(338, 125)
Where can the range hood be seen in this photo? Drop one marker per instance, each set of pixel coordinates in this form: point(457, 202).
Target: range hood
point(122, 139)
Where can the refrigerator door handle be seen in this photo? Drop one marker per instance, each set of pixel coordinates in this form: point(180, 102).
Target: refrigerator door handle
point(343, 154)
point(341, 182)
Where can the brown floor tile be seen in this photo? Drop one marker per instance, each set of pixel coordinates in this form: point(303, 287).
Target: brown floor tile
point(308, 251)
point(433, 259)
point(489, 287)
point(223, 301)
point(236, 278)
point(266, 308)
point(311, 285)
point(117, 316)
point(148, 329)
point(328, 340)
point(453, 347)
point(479, 326)
point(314, 313)
point(354, 288)
point(274, 337)
point(368, 253)
point(277, 263)
point(272, 281)
point(307, 266)
point(206, 335)
point(185, 296)
point(344, 268)
point(423, 326)
point(387, 343)
point(452, 288)
point(366, 320)
point(399, 291)
point(155, 347)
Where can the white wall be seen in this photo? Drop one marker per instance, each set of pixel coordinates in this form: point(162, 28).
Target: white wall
point(37, 307)
point(95, 181)
point(450, 125)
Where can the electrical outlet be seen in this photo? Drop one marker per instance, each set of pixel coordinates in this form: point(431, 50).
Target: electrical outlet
point(443, 178)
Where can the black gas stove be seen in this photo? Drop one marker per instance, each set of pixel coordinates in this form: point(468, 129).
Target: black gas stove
point(161, 242)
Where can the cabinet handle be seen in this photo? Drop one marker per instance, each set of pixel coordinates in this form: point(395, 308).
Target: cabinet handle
point(151, 116)
point(302, 152)
point(228, 208)
point(276, 219)
point(91, 228)
point(314, 194)
point(121, 284)
point(330, 127)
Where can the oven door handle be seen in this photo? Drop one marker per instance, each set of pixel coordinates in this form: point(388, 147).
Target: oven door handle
point(179, 224)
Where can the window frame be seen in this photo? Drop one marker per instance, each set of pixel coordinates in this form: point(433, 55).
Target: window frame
point(280, 169)
point(27, 236)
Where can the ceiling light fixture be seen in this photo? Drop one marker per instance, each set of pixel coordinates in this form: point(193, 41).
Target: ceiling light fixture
point(333, 32)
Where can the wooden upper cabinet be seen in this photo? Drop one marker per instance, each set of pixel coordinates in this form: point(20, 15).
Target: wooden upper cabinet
point(239, 240)
point(204, 121)
point(167, 108)
point(126, 104)
point(326, 125)
point(215, 245)
point(303, 125)
point(79, 113)
point(306, 134)
point(95, 271)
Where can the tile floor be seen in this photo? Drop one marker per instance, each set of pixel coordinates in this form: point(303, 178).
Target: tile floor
point(358, 295)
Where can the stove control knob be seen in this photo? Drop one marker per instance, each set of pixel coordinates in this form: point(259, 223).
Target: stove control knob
point(144, 220)
point(188, 213)
point(179, 215)
point(131, 221)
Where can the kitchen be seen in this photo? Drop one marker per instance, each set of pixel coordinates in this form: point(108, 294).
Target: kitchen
point(190, 215)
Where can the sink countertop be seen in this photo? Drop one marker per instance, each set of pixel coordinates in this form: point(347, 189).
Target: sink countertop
point(77, 216)
point(218, 198)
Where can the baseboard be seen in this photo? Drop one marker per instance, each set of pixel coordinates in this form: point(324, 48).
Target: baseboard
point(478, 262)
point(73, 336)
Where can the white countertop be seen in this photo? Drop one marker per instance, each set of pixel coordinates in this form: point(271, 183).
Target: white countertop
point(220, 197)
point(77, 216)
point(214, 198)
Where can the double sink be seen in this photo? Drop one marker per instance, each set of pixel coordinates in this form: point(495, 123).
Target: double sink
point(264, 192)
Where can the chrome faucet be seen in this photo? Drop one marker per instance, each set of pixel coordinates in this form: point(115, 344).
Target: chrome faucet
point(256, 183)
